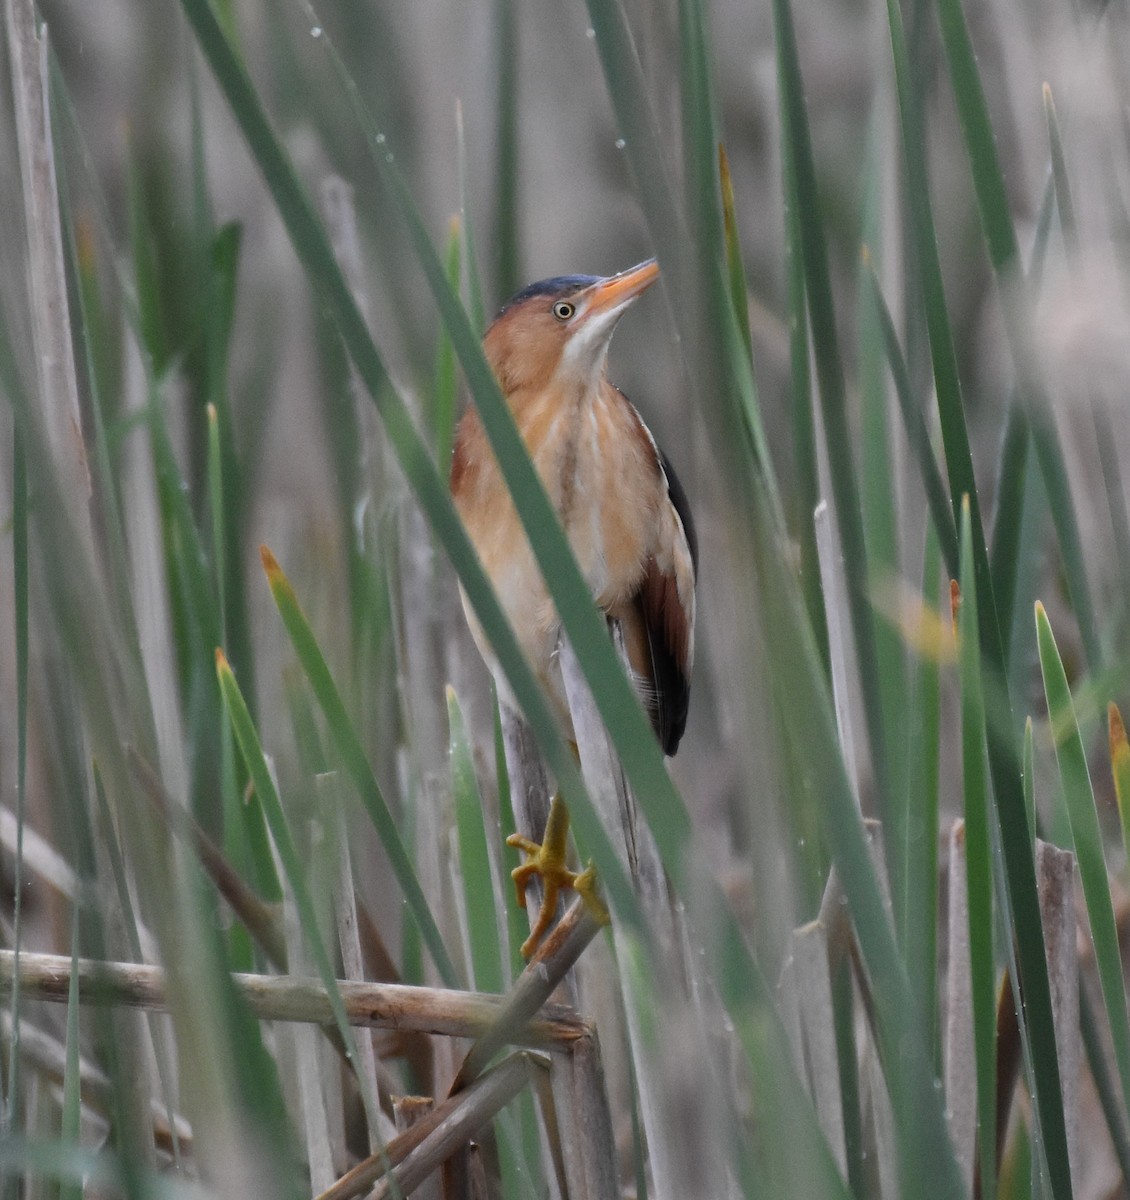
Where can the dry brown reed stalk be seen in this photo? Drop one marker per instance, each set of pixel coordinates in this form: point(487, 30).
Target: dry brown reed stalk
point(960, 1072)
point(46, 277)
point(1055, 879)
point(47, 1056)
point(287, 998)
point(345, 911)
point(585, 1131)
point(59, 414)
point(882, 1116)
point(530, 800)
point(318, 1094)
point(576, 1117)
point(805, 990)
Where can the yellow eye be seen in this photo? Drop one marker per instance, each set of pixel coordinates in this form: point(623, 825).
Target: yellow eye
point(563, 310)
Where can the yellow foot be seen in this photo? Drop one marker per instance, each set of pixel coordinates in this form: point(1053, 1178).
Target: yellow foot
point(548, 861)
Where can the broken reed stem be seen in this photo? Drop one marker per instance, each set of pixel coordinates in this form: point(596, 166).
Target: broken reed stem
point(263, 922)
point(47, 1056)
point(423, 1147)
point(470, 1111)
point(556, 955)
point(288, 998)
point(586, 1140)
point(345, 910)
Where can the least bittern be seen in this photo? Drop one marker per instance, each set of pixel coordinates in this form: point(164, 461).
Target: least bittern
point(623, 509)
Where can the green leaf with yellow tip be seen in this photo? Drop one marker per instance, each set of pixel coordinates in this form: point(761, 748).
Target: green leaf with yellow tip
point(446, 389)
point(734, 269)
point(1087, 837)
point(252, 750)
point(1120, 768)
point(356, 763)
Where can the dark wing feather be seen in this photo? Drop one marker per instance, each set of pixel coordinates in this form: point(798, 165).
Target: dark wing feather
point(682, 506)
point(669, 619)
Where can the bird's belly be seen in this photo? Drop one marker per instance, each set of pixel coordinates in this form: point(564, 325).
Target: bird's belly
point(606, 499)
point(532, 615)
point(608, 510)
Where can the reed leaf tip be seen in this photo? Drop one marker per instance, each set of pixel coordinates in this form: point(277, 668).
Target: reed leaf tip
point(1119, 747)
point(270, 564)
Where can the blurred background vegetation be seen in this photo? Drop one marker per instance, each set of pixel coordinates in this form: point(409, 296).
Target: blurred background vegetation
point(910, 284)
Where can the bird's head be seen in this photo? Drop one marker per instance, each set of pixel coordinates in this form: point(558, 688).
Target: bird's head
point(555, 333)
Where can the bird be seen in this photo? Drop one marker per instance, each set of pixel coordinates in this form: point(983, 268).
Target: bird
point(623, 509)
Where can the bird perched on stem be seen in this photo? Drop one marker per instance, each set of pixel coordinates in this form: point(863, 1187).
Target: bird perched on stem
point(618, 500)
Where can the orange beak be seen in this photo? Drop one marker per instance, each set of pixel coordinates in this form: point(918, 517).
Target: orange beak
point(617, 290)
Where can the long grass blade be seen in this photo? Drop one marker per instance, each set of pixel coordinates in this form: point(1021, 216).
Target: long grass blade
point(916, 432)
point(248, 739)
point(1000, 238)
point(922, 820)
point(1016, 839)
point(803, 422)
point(72, 1080)
point(714, 357)
point(478, 882)
point(979, 867)
point(507, 228)
point(830, 376)
point(1087, 837)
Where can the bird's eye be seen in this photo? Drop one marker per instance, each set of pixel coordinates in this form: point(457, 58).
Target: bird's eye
point(563, 310)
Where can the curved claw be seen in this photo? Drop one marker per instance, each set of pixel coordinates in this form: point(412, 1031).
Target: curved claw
point(584, 885)
point(548, 861)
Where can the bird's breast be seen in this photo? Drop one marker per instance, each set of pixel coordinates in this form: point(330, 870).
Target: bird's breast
point(603, 480)
point(603, 476)
point(600, 470)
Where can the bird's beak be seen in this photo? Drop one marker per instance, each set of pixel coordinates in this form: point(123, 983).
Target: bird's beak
point(617, 291)
point(601, 305)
